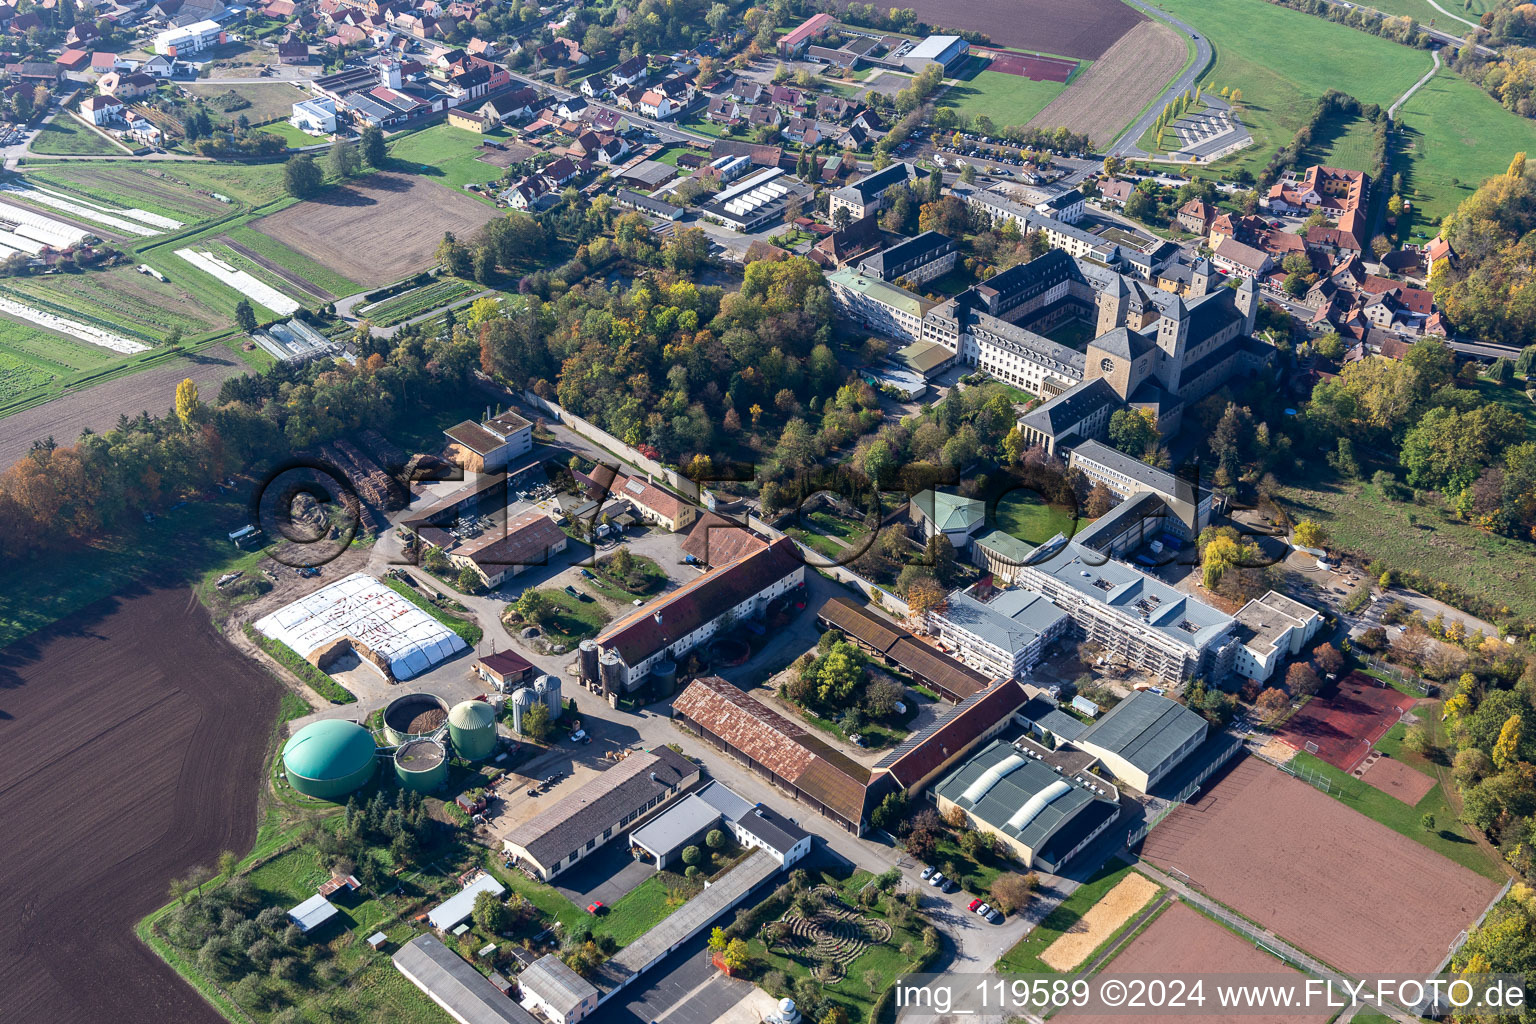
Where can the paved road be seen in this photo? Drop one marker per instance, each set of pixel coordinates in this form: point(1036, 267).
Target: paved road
point(1126, 144)
point(1440, 35)
point(1435, 66)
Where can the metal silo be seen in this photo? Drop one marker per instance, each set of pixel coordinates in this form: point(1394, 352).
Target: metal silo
point(588, 662)
point(547, 690)
point(522, 700)
point(472, 727)
point(329, 759)
point(611, 672)
point(665, 675)
point(413, 716)
point(421, 765)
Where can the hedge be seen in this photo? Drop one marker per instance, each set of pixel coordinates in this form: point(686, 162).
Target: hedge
point(287, 657)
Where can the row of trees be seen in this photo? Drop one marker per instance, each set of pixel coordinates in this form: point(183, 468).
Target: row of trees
point(303, 177)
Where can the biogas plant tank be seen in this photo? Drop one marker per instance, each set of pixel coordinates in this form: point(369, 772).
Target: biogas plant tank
point(472, 727)
point(329, 759)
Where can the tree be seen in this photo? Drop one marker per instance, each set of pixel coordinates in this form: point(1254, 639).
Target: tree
point(469, 580)
point(342, 161)
point(1329, 346)
point(372, 144)
point(1328, 659)
point(736, 956)
point(924, 595)
point(187, 402)
point(1427, 822)
point(1133, 431)
point(490, 914)
point(245, 316)
point(717, 940)
point(536, 722)
point(1309, 534)
point(692, 855)
point(1272, 701)
point(1011, 891)
point(889, 812)
point(1506, 749)
point(302, 177)
point(882, 694)
point(1303, 682)
point(714, 839)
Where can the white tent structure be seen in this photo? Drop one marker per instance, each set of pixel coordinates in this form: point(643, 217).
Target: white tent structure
point(361, 609)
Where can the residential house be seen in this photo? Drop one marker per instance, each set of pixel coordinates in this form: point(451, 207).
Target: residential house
point(135, 85)
point(1237, 258)
point(293, 52)
point(101, 110)
point(1194, 216)
point(656, 105)
point(315, 116)
point(1114, 193)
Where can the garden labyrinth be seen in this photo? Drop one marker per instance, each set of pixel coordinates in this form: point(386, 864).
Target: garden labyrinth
point(835, 936)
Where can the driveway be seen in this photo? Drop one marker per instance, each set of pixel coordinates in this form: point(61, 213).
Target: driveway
point(606, 876)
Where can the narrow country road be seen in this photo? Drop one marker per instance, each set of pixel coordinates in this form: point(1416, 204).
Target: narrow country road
point(1125, 145)
point(1392, 110)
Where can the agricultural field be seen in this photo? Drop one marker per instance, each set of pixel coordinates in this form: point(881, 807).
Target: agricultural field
point(1456, 137)
point(181, 190)
point(121, 300)
point(377, 229)
point(1085, 29)
point(292, 266)
point(64, 136)
point(32, 359)
point(1283, 60)
point(399, 308)
point(1005, 98)
point(98, 408)
point(447, 155)
point(268, 100)
point(89, 875)
point(1115, 89)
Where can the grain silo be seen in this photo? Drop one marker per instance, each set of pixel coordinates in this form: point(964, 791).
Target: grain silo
point(329, 759)
point(611, 673)
point(413, 716)
point(422, 765)
point(588, 662)
point(547, 690)
point(522, 700)
point(472, 727)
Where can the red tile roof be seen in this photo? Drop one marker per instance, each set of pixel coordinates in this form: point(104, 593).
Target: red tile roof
point(925, 753)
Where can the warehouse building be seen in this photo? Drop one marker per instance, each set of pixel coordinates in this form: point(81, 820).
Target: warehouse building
point(663, 839)
point(451, 983)
point(780, 750)
point(553, 840)
point(1143, 738)
point(489, 445)
point(456, 909)
point(502, 552)
point(1042, 815)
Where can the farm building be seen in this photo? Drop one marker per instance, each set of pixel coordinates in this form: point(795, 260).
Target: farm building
point(688, 821)
point(929, 751)
point(312, 913)
point(361, 614)
point(1042, 815)
point(528, 540)
point(505, 670)
point(450, 982)
point(455, 910)
point(553, 840)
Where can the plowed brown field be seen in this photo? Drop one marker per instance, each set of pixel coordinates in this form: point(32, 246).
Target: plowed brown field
point(1115, 88)
point(1081, 28)
point(134, 739)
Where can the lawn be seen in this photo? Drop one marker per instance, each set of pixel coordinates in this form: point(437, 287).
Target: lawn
point(1026, 516)
point(1074, 333)
point(974, 876)
point(447, 154)
point(1283, 60)
point(295, 138)
point(571, 619)
point(1450, 838)
point(1346, 142)
point(466, 630)
point(1419, 538)
point(645, 577)
point(1024, 958)
point(64, 136)
point(631, 916)
point(1456, 136)
point(1421, 11)
point(1006, 99)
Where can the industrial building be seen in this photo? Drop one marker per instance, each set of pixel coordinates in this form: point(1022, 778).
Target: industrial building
point(451, 983)
point(670, 626)
point(1003, 637)
point(777, 748)
point(505, 670)
point(553, 840)
point(555, 992)
point(472, 728)
point(663, 839)
point(360, 614)
point(1042, 814)
point(545, 690)
point(329, 759)
point(312, 913)
point(755, 200)
point(1143, 738)
point(489, 445)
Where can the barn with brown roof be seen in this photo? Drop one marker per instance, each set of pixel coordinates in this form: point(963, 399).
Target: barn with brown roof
point(925, 754)
point(778, 749)
point(715, 540)
point(894, 645)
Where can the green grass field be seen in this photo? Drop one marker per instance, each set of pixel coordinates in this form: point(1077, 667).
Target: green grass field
point(572, 619)
point(64, 136)
point(268, 99)
point(1345, 142)
point(449, 152)
point(180, 190)
point(314, 272)
point(1424, 14)
point(32, 359)
point(294, 137)
point(125, 301)
point(1027, 517)
point(1456, 136)
point(1283, 60)
point(1006, 99)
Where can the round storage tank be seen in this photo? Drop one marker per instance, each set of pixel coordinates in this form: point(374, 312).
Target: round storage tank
point(414, 715)
point(522, 700)
point(547, 691)
point(611, 672)
point(588, 656)
point(421, 765)
point(665, 675)
point(472, 727)
point(329, 759)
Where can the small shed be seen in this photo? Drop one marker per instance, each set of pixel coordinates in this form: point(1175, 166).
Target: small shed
point(1084, 706)
point(377, 940)
point(312, 913)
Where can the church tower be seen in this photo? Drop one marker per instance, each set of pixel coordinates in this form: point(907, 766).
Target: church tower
point(1172, 336)
point(1111, 302)
point(1248, 302)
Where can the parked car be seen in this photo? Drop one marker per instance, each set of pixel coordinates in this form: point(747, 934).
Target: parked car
point(595, 907)
point(981, 908)
point(996, 917)
point(949, 885)
point(937, 879)
point(927, 873)
point(973, 905)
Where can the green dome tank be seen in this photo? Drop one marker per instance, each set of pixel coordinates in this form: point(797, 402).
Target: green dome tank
point(329, 759)
point(472, 727)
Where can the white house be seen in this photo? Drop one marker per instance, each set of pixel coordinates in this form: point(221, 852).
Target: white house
point(193, 38)
point(654, 104)
point(102, 110)
point(315, 116)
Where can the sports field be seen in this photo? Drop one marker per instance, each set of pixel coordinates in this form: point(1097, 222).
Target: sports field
point(377, 229)
point(1396, 779)
point(1341, 723)
point(1183, 942)
point(1456, 137)
point(1283, 60)
point(1350, 891)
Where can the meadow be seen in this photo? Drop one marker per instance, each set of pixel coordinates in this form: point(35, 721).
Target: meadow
point(446, 154)
point(64, 136)
point(1006, 99)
